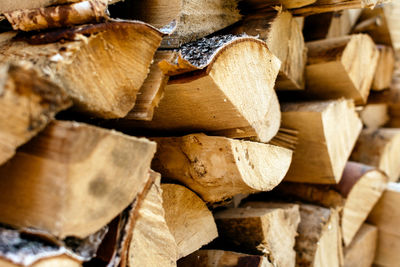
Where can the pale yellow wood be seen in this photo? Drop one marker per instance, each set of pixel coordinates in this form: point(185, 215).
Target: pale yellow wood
point(361, 251)
point(374, 116)
point(341, 67)
point(380, 148)
point(262, 228)
point(255, 6)
point(217, 168)
point(384, 69)
point(328, 131)
point(60, 261)
point(188, 219)
point(73, 179)
point(101, 73)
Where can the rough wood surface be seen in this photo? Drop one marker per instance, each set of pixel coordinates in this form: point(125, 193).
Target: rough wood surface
point(217, 168)
point(379, 148)
point(384, 69)
point(262, 228)
point(328, 131)
point(361, 251)
point(215, 258)
point(12, 5)
point(76, 178)
point(188, 219)
point(258, 6)
point(222, 97)
point(374, 116)
point(341, 67)
point(101, 73)
point(28, 102)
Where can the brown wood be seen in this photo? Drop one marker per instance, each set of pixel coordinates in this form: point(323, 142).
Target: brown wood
point(328, 131)
point(75, 179)
point(92, 67)
point(341, 67)
point(12, 5)
point(361, 251)
point(384, 69)
point(217, 168)
point(261, 228)
point(28, 102)
point(188, 219)
point(257, 6)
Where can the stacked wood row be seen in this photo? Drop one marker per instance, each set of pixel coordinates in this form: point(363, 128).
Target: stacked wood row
point(199, 133)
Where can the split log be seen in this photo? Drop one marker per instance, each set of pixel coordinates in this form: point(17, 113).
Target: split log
point(192, 20)
point(215, 258)
point(361, 251)
point(221, 96)
point(341, 67)
point(374, 116)
point(358, 191)
point(266, 229)
point(330, 25)
point(75, 179)
point(257, 6)
point(328, 131)
point(285, 40)
point(217, 168)
point(384, 70)
point(57, 16)
point(319, 242)
point(188, 219)
point(379, 148)
point(386, 217)
point(100, 66)
point(152, 243)
point(28, 102)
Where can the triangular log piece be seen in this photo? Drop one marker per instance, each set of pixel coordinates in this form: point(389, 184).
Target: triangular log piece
point(384, 70)
point(217, 168)
point(74, 179)
point(188, 219)
point(374, 116)
point(327, 132)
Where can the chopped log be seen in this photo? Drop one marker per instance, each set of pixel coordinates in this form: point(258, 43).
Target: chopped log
point(188, 219)
point(192, 20)
point(256, 6)
point(328, 131)
point(386, 217)
point(285, 40)
point(221, 95)
point(215, 258)
point(57, 16)
point(217, 168)
point(341, 67)
point(101, 73)
point(330, 25)
point(379, 148)
point(152, 89)
point(319, 242)
point(28, 102)
point(374, 116)
point(152, 243)
point(266, 229)
point(361, 251)
point(75, 179)
point(359, 189)
point(384, 70)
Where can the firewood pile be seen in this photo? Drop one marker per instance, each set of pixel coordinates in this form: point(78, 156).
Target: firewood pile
point(199, 133)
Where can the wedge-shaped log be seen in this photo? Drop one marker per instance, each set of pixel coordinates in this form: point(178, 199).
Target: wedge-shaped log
point(379, 148)
point(192, 19)
point(285, 40)
point(319, 242)
point(188, 219)
point(361, 251)
point(152, 243)
point(384, 70)
point(267, 229)
point(328, 131)
point(75, 179)
point(28, 102)
point(374, 116)
point(231, 93)
point(101, 66)
point(359, 189)
point(214, 258)
point(217, 168)
point(386, 217)
point(341, 67)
